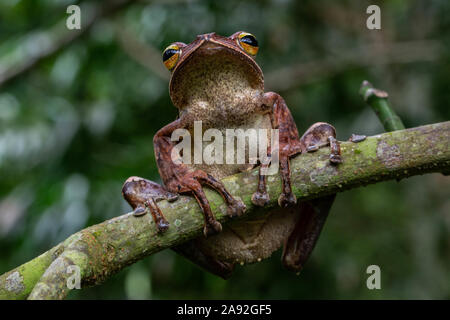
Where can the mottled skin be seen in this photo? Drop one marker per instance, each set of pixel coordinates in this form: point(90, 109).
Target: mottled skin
point(217, 82)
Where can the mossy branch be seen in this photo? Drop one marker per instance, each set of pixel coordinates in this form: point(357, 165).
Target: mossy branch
point(106, 248)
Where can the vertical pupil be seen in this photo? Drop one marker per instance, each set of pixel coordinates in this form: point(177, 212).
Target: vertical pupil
point(168, 53)
point(251, 40)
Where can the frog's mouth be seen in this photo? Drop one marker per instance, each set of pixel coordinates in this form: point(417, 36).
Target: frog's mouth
point(213, 68)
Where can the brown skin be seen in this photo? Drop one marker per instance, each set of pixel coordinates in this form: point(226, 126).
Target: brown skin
point(217, 82)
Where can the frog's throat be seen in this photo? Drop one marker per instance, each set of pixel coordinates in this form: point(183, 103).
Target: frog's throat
point(205, 52)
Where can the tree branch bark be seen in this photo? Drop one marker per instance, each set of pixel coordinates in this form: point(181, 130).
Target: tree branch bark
point(106, 248)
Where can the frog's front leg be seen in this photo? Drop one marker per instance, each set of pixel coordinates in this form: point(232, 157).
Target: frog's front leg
point(318, 135)
point(313, 214)
point(288, 144)
point(179, 178)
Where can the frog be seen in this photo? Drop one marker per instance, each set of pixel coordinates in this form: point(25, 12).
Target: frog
point(215, 79)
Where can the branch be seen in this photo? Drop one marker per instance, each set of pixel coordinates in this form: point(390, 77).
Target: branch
point(106, 248)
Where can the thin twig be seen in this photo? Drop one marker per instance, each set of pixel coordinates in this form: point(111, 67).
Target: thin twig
point(377, 99)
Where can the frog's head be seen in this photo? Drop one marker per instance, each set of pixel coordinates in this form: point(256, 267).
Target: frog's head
point(213, 67)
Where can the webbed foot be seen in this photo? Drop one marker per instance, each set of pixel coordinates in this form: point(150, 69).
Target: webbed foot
point(143, 194)
point(192, 182)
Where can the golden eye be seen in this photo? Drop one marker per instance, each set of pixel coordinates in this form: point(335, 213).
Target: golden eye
point(171, 55)
point(248, 42)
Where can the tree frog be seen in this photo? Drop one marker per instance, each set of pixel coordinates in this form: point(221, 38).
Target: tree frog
point(216, 80)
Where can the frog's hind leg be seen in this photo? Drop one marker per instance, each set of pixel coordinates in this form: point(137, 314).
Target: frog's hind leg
point(322, 134)
point(318, 135)
point(142, 194)
point(313, 214)
point(302, 240)
point(199, 256)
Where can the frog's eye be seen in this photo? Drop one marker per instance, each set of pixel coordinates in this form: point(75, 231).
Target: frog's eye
point(171, 55)
point(248, 42)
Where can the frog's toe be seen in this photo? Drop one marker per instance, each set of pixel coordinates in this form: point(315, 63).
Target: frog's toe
point(357, 138)
point(162, 225)
point(139, 211)
point(212, 228)
point(287, 200)
point(172, 197)
point(335, 158)
point(236, 209)
point(312, 148)
point(260, 199)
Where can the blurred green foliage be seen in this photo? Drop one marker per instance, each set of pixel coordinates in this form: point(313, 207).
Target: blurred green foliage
point(80, 122)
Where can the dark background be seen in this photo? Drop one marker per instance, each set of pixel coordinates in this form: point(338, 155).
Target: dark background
point(75, 125)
